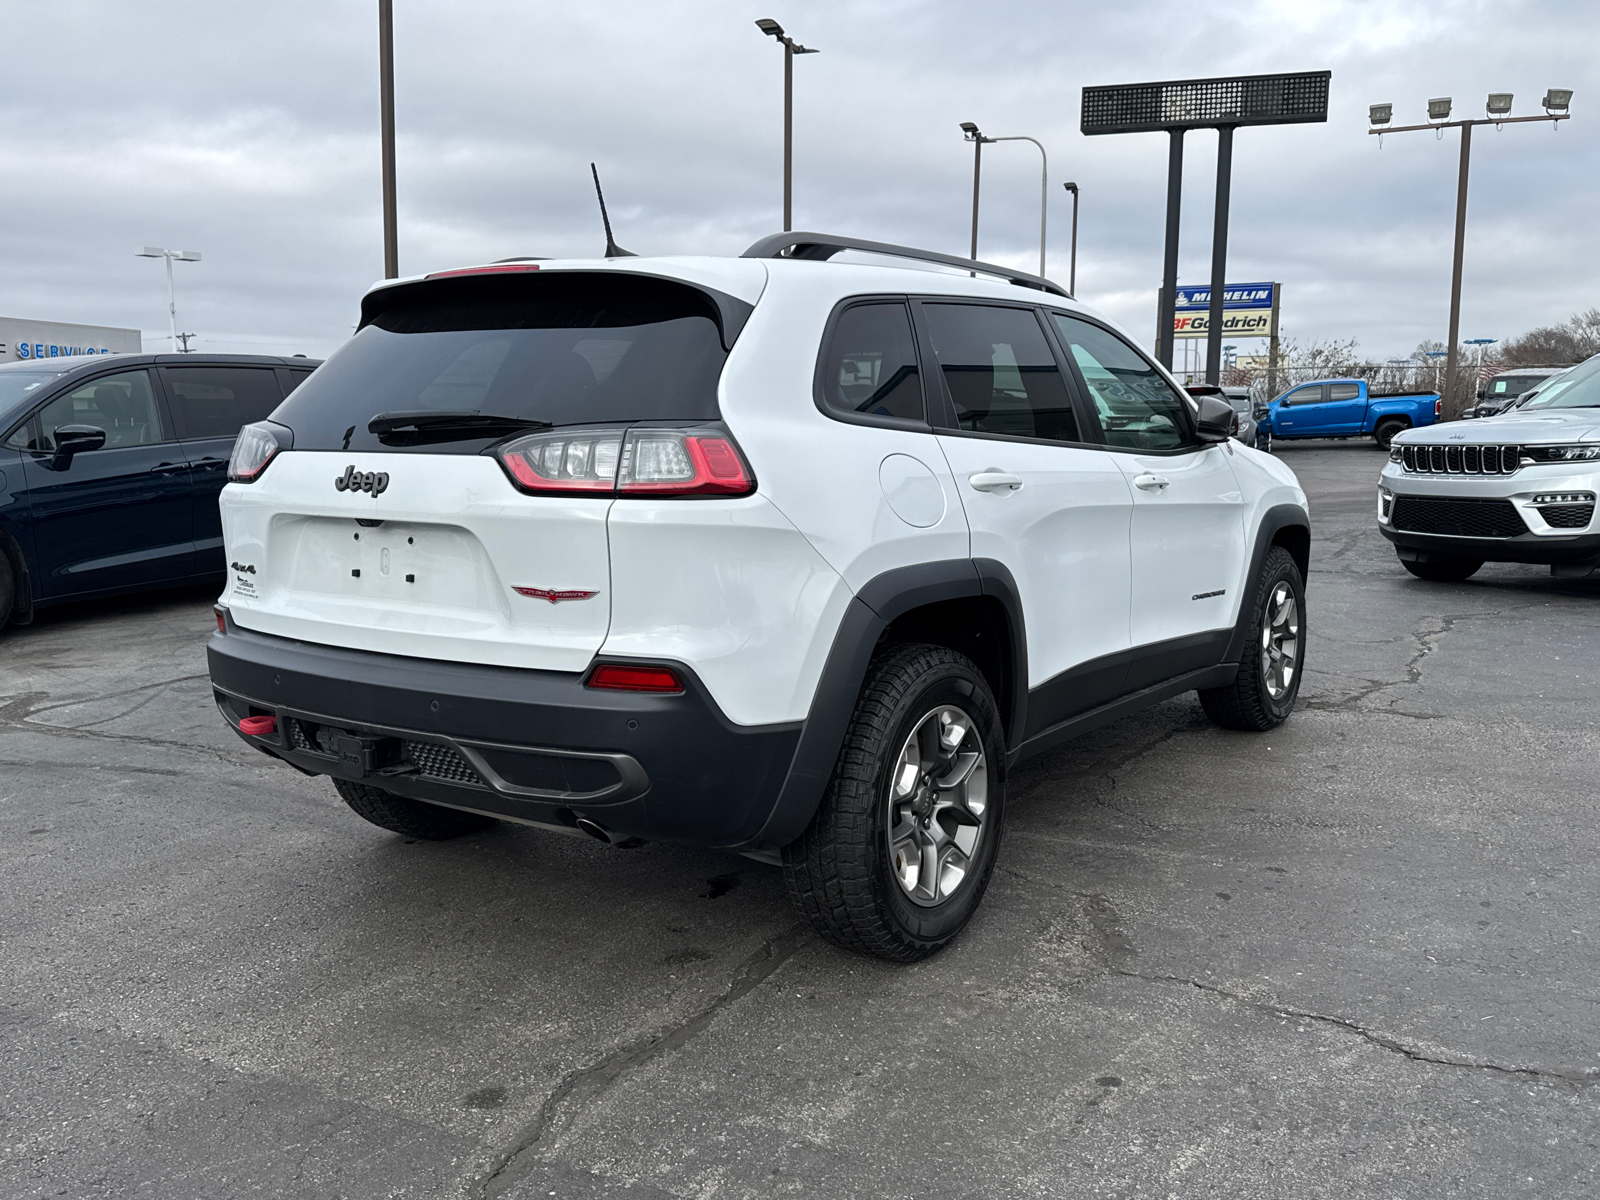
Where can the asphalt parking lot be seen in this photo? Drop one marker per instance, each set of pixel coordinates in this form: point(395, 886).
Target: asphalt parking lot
point(1354, 957)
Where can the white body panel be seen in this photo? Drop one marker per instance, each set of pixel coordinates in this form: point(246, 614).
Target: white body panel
point(1063, 534)
point(825, 475)
point(1188, 542)
point(731, 588)
point(472, 539)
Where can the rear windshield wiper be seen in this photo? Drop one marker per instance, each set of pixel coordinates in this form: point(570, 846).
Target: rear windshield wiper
point(444, 425)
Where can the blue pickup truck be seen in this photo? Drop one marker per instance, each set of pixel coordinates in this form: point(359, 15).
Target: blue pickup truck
point(1343, 408)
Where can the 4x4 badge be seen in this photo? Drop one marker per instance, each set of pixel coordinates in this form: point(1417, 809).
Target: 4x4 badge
point(362, 481)
point(552, 595)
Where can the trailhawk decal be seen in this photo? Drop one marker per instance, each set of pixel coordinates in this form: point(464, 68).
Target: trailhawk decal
point(553, 595)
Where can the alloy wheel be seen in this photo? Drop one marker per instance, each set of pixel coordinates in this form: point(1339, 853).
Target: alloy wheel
point(938, 796)
point(1280, 641)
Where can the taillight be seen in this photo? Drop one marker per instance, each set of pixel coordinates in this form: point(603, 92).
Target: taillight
point(573, 461)
point(618, 678)
point(641, 462)
point(1438, 406)
point(255, 447)
point(667, 462)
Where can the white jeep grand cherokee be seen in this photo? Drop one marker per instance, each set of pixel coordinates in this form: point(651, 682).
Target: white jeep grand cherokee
point(778, 554)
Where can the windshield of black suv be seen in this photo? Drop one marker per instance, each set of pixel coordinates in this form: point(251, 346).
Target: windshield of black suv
point(451, 365)
point(17, 387)
point(1577, 388)
point(1513, 385)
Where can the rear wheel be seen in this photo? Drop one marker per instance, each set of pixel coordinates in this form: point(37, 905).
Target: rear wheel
point(413, 818)
point(1384, 433)
point(1263, 693)
point(1443, 570)
point(899, 853)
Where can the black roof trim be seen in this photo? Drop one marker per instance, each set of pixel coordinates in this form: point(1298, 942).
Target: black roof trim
point(823, 246)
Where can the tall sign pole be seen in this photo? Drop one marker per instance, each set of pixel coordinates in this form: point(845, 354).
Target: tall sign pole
point(1169, 268)
point(1272, 344)
point(1223, 104)
point(391, 237)
point(1452, 363)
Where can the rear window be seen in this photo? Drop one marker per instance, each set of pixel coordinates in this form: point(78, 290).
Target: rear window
point(566, 348)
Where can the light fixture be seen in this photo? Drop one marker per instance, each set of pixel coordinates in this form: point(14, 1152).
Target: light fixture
point(971, 131)
point(770, 27)
point(1499, 104)
point(1439, 109)
point(1380, 114)
point(1557, 99)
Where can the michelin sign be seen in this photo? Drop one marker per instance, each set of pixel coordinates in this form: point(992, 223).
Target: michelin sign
point(24, 341)
point(1246, 311)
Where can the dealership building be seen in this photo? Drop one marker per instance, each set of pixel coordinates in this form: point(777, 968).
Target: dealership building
point(23, 341)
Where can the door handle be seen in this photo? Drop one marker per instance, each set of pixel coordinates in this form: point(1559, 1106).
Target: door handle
point(992, 480)
point(1150, 483)
point(169, 468)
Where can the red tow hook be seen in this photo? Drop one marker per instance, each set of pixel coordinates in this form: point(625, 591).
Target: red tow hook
point(258, 726)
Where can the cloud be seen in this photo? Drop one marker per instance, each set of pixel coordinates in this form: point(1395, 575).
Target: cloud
point(250, 133)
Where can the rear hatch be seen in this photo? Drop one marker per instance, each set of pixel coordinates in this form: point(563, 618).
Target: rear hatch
point(398, 521)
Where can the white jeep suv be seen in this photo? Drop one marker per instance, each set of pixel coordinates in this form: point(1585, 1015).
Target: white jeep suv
point(790, 556)
point(1519, 487)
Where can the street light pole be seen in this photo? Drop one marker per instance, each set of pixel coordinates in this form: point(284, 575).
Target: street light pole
point(970, 131)
point(172, 299)
point(1555, 103)
point(1044, 189)
point(391, 236)
point(790, 49)
point(1072, 277)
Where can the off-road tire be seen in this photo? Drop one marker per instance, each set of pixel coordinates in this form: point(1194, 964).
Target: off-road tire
point(1447, 570)
point(838, 872)
point(1384, 433)
point(412, 818)
point(1247, 703)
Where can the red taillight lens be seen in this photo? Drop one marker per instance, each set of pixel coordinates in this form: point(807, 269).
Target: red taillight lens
point(258, 726)
point(619, 678)
point(573, 461)
point(642, 462)
point(222, 624)
point(255, 447)
point(669, 462)
point(1438, 406)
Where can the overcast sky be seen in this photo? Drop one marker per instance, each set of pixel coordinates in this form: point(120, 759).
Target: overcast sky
point(250, 133)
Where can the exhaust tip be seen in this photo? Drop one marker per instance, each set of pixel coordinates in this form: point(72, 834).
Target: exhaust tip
point(594, 829)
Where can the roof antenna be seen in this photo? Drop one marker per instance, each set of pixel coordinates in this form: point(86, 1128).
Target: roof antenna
point(612, 249)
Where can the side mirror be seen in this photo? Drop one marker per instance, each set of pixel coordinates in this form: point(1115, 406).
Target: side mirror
point(75, 439)
point(1216, 420)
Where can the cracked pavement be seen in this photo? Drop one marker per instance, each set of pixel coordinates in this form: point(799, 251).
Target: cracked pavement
point(1354, 957)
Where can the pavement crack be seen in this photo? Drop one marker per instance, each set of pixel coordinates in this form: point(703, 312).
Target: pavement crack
point(586, 1084)
point(1381, 1040)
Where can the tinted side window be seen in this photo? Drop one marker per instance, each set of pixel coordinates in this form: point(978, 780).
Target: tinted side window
point(1343, 391)
point(1001, 373)
point(211, 402)
point(1137, 408)
point(123, 405)
point(871, 363)
point(290, 378)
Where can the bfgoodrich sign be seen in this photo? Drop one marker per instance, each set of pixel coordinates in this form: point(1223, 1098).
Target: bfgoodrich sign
point(23, 340)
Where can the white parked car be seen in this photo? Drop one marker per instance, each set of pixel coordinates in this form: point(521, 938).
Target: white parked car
point(791, 556)
point(1519, 487)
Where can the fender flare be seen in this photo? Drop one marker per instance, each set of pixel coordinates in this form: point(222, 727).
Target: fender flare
point(1276, 519)
point(866, 618)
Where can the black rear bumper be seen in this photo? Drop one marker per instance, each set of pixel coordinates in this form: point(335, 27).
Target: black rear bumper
point(533, 746)
point(1524, 548)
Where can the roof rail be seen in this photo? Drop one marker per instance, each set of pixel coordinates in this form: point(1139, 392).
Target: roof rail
point(823, 246)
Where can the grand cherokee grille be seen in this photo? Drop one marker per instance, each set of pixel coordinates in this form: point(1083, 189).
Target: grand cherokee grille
point(1461, 460)
point(1457, 517)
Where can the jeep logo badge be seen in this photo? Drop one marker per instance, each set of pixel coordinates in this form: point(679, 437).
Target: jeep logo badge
point(358, 481)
